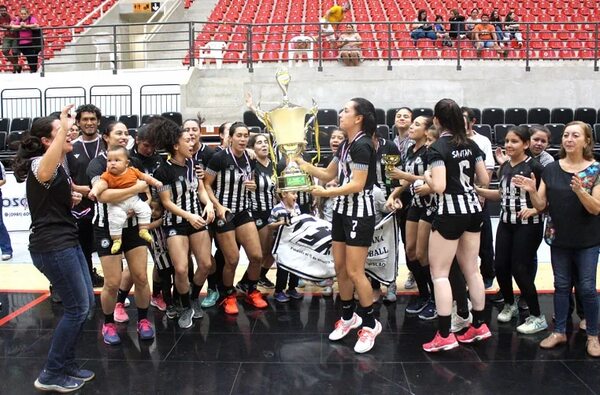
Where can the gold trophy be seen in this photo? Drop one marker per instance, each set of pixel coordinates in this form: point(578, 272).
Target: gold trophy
point(390, 161)
point(286, 124)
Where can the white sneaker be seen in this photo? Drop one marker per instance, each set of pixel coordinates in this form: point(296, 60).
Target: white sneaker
point(366, 338)
point(508, 312)
point(327, 291)
point(390, 295)
point(342, 328)
point(410, 282)
point(533, 324)
point(458, 323)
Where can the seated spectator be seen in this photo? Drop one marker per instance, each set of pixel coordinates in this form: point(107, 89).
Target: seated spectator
point(349, 43)
point(9, 42)
point(440, 32)
point(484, 35)
point(421, 28)
point(457, 24)
point(471, 22)
point(299, 47)
point(25, 25)
point(497, 22)
point(512, 28)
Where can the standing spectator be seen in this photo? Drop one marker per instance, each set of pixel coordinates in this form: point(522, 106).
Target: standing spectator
point(332, 17)
point(457, 24)
point(24, 25)
point(421, 28)
point(471, 22)
point(349, 43)
point(5, 244)
point(570, 189)
point(53, 245)
point(9, 42)
point(512, 28)
point(484, 35)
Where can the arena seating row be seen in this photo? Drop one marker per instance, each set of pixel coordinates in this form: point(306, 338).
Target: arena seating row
point(565, 29)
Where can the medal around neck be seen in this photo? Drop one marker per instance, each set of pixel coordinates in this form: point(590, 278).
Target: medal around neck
point(287, 124)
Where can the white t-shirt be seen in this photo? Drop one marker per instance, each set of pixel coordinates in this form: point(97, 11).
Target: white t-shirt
point(485, 145)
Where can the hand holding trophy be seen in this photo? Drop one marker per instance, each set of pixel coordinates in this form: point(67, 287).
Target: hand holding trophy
point(286, 124)
point(390, 161)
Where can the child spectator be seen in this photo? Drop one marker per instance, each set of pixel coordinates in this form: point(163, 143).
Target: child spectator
point(119, 175)
point(282, 214)
point(440, 32)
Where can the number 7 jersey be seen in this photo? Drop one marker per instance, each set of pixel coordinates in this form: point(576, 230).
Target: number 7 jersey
point(460, 196)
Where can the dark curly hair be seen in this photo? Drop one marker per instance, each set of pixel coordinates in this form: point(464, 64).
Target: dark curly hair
point(164, 134)
point(31, 146)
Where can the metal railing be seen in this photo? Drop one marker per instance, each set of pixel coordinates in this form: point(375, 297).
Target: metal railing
point(183, 44)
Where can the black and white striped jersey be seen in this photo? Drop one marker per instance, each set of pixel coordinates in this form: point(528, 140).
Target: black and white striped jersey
point(514, 199)
point(149, 163)
point(182, 182)
point(416, 164)
point(263, 198)
point(230, 172)
point(159, 250)
point(78, 161)
point(203, 155)
point(94, 170)
point(359, 154)
point(460, 196)
point(385, 147)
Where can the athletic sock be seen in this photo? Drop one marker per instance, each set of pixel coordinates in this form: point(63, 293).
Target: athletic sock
point(347, 309)
point(109, 318)
point(263, 272)
point(251, 285)
point(142, 313)
point(366, 313)
point(155, 288)
point(229, 291)
point(478, 318)
point(444, 322)
point(185, 300)
point(196, 291)
point(122, 295)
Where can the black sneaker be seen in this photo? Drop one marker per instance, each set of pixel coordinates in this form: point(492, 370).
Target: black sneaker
point(97, 280)
point(54, 297)
point(266, 283)
point(496, 298)
point(522, 304)
point(242, 287)
point(172, 312)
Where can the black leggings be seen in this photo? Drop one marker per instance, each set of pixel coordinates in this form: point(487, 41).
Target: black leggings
point(282, 280)
point(516, 246)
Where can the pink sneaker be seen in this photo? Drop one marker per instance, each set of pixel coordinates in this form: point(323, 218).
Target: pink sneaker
point(144, 328)
point(158, 302)
point(440, 343)
point(366, 338)
point(120, 313)
point(342, 328)
point(474, 334)
point(110, 335)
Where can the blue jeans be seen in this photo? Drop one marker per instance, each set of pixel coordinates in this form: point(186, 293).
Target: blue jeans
point(68, 272)
point(420, 33)
point(584, 261)
point(5, 244)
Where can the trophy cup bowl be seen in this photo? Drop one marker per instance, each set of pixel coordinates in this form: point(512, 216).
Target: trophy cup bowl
point(390, 161)
point(286, 123)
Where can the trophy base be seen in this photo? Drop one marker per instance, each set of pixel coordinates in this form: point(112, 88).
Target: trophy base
point(298, 182)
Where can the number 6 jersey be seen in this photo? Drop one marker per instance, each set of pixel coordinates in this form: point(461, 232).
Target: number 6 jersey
point(460, 196)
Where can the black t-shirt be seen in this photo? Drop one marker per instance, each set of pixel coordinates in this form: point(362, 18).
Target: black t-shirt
point(513, 198)
point(359, 154)
point(203, 156)
point(570, 225)
point(53, 226)
point(182, 182)
point(78, 161)
point(148, 164)
point(459, 161)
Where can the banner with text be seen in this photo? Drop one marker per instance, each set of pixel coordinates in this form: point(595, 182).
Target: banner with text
point(15, 212)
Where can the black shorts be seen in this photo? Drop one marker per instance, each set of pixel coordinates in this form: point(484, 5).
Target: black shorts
point(416, 214)
point(261, 218)
point(238, 219)
point(452, 226)
point(356, 232)
point(182, 229)
point(131, 239)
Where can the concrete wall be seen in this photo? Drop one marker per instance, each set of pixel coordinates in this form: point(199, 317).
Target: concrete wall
point(219, 94)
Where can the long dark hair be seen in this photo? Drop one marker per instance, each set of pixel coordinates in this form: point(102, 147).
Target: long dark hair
point(450, 118)
point(367, 110)
point(164, 134)
point(236, 125)
point(31, 146)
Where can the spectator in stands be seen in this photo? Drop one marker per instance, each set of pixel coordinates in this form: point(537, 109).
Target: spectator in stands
point(349, 44)
point(484, 35)
point(471, 22)
point(25, 25)
point(497, 22)
point(333, 17)
point(457, 24)
point(440, 32)
point(512, 28)
point(9, 42)
point(421, 28)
